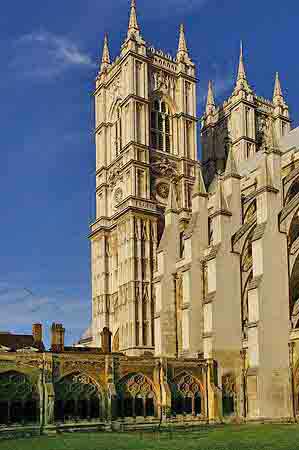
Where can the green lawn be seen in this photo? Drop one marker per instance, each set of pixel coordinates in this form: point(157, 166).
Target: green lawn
point(246, 437)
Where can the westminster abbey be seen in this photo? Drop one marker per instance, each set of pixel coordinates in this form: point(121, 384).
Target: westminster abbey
point(195, 264)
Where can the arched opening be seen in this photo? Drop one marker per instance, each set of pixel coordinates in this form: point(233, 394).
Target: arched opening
point(228, 405)
point(139, 406)
point(77, 398)
point(150, 406)
point(136, 397)
point(294, 229)
point(19, 400)
point(186, 396)
point(197, 403)
point(160, 126)
point(228, 395)
point(294, 189)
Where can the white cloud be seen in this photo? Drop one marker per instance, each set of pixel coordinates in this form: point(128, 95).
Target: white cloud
point(45, 55)
point(222, 85)
point(20, 307)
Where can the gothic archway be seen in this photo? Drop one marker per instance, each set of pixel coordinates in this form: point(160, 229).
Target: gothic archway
point(136, 396)
point(19, 399)
point(77, 397)
point(186, 395)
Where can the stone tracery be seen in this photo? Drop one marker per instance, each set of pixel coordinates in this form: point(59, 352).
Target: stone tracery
point(77, 396)
point(136, 396)
point(186, 395)
point(19, 399)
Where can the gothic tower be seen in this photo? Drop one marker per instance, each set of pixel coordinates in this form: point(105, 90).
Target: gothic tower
point(145, 131)
point(249, 122)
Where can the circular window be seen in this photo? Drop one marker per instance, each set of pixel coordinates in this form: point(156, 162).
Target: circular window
point(163, 190)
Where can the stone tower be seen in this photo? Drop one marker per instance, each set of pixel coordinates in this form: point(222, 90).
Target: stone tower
point(145, 131)
point(249, 122)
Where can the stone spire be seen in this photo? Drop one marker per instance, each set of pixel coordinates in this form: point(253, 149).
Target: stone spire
point(241, 69)
point(231, 167)
point(210, 106)
point(242, 82)
point(277, 94)
point(182, 49)
point(133, 23)
point(106, 55)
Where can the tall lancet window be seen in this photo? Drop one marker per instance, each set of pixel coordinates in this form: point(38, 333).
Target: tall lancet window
point(118, 131)
point(160, 126)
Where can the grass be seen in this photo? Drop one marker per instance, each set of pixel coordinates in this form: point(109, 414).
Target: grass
point(244, 437)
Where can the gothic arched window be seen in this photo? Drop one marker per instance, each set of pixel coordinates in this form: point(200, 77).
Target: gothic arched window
point(19, 399)
point(118, 125)
point(77, 397)
point(136, 397)
point(160, 126)
point(186, 395)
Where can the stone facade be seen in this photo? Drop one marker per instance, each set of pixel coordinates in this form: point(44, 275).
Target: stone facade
point(71, 388)
point(195, 267)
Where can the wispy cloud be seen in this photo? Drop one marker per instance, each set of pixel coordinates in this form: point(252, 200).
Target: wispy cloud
point(45, 55)
point(21, 306)
point(222, 86)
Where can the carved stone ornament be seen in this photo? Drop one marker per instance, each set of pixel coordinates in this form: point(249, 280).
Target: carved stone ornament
point(118, 195)
point(187, 385)
point(163, 190)
point(166, 168)
point(115, 176)
point(115, 90)
point(82, 365)
point(162, 82)
point(228, 384)
point(137, 385)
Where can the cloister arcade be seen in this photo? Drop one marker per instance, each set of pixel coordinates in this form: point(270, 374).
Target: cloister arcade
point(19, 399)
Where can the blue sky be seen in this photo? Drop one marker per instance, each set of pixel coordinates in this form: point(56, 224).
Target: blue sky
point(50, 52)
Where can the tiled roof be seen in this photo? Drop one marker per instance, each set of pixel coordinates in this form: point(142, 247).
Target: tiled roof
point(18, 341)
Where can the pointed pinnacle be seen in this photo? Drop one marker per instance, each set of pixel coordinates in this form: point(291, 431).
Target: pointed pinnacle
point(220, 203)
point(241, 69)
point(199, 187)
point(172, 204)
point(182, 40)
point(277, 87)
point(133, 23)
point(210, 99)
point(106, 54)
point(231, 167)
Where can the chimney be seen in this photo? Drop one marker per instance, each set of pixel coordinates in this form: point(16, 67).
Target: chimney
point(37, 333)
point(106, 340)
point(57, 339)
